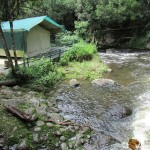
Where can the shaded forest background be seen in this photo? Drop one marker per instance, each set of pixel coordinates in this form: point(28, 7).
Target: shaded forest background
point(108, 23)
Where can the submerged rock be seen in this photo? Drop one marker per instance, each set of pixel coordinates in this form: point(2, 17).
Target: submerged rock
point(103, 82)
point(99, 142)
point(74, 83)
point(118, 111)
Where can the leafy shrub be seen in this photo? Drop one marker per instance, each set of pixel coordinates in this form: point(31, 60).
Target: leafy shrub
point(81, 28)
point(70, 38)
point(78, 52)
point(41, 73)
point(67, 39)
point(2, 77)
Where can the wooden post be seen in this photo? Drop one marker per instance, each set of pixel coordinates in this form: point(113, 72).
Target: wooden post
point(59, 54)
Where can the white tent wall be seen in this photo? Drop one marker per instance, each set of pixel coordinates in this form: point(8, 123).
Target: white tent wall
point(38, 41)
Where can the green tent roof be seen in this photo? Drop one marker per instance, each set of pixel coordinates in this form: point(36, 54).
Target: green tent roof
point(28, 23)
point(23, 26)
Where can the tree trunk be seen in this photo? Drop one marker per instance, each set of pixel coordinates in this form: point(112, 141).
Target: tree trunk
point(13, 43)
point(8, 83)
point(6, 48)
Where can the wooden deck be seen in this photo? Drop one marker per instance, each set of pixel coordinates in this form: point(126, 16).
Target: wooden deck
point(54, 54)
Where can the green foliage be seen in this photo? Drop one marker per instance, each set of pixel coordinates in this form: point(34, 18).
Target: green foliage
point(41, 73)
point(138, 42)
point(81, 28)
point(78, 52)
point(85, 70)
point(70, 38)
point(2, 77)
point(67, 39)
point(118, 11)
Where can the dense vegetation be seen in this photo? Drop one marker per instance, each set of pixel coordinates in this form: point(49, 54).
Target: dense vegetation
point(115, 23)
point(42, 74)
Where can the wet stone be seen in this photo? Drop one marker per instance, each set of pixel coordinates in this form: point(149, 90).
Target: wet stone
point(103, 83)
point(62, 138)
point(64, 146)
point(41, 110)
point(74, 83)
point(57, 145)
point(76, 127)
point(88, 136)
point(35, 137)
point(50, 104)
point(59, 98)
point(70, 144)
point(55, 116)
point(85, 129)
point(79, 135)
point(40, 123)
point(54, 109)
point(49, 124)
point(77, 143)
point(29, 110)
point(19, 93)
point(37, 129)
point(118, 111)
point(58, 133)
point(16, 87)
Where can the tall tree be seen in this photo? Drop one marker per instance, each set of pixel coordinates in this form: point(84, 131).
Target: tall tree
point(2, 37)
point(9, 11)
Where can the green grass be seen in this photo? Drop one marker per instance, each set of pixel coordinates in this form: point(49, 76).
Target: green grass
point(85, 70)
point(19, 53)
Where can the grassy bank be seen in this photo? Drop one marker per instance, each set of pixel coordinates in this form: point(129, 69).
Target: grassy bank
point(88, 69)
point(81, 61)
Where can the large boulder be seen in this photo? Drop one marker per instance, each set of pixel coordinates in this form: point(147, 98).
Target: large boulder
point(118, 111)
point(103, 82)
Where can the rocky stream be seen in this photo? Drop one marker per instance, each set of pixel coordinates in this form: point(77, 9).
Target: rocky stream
point(102, 115)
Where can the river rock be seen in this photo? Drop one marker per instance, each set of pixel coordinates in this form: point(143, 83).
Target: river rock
point(37, 129)
point(62, 138)
point(70, 145)
point(40, 123)
point(55, 116)
point(103, 82)
point(74, 83)
point(41, 110)
point(118, 111)
point(35, 137)
point(16, 87)
point(49, 124)
point(99, 142)
point(64, 146)
point(55, 110)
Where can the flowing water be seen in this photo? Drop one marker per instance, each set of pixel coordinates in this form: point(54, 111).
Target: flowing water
point(90, 105)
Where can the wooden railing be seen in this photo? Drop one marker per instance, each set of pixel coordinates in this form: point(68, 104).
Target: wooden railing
point(54, 54)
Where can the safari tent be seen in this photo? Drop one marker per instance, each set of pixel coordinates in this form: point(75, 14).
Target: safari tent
point(32, 35)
